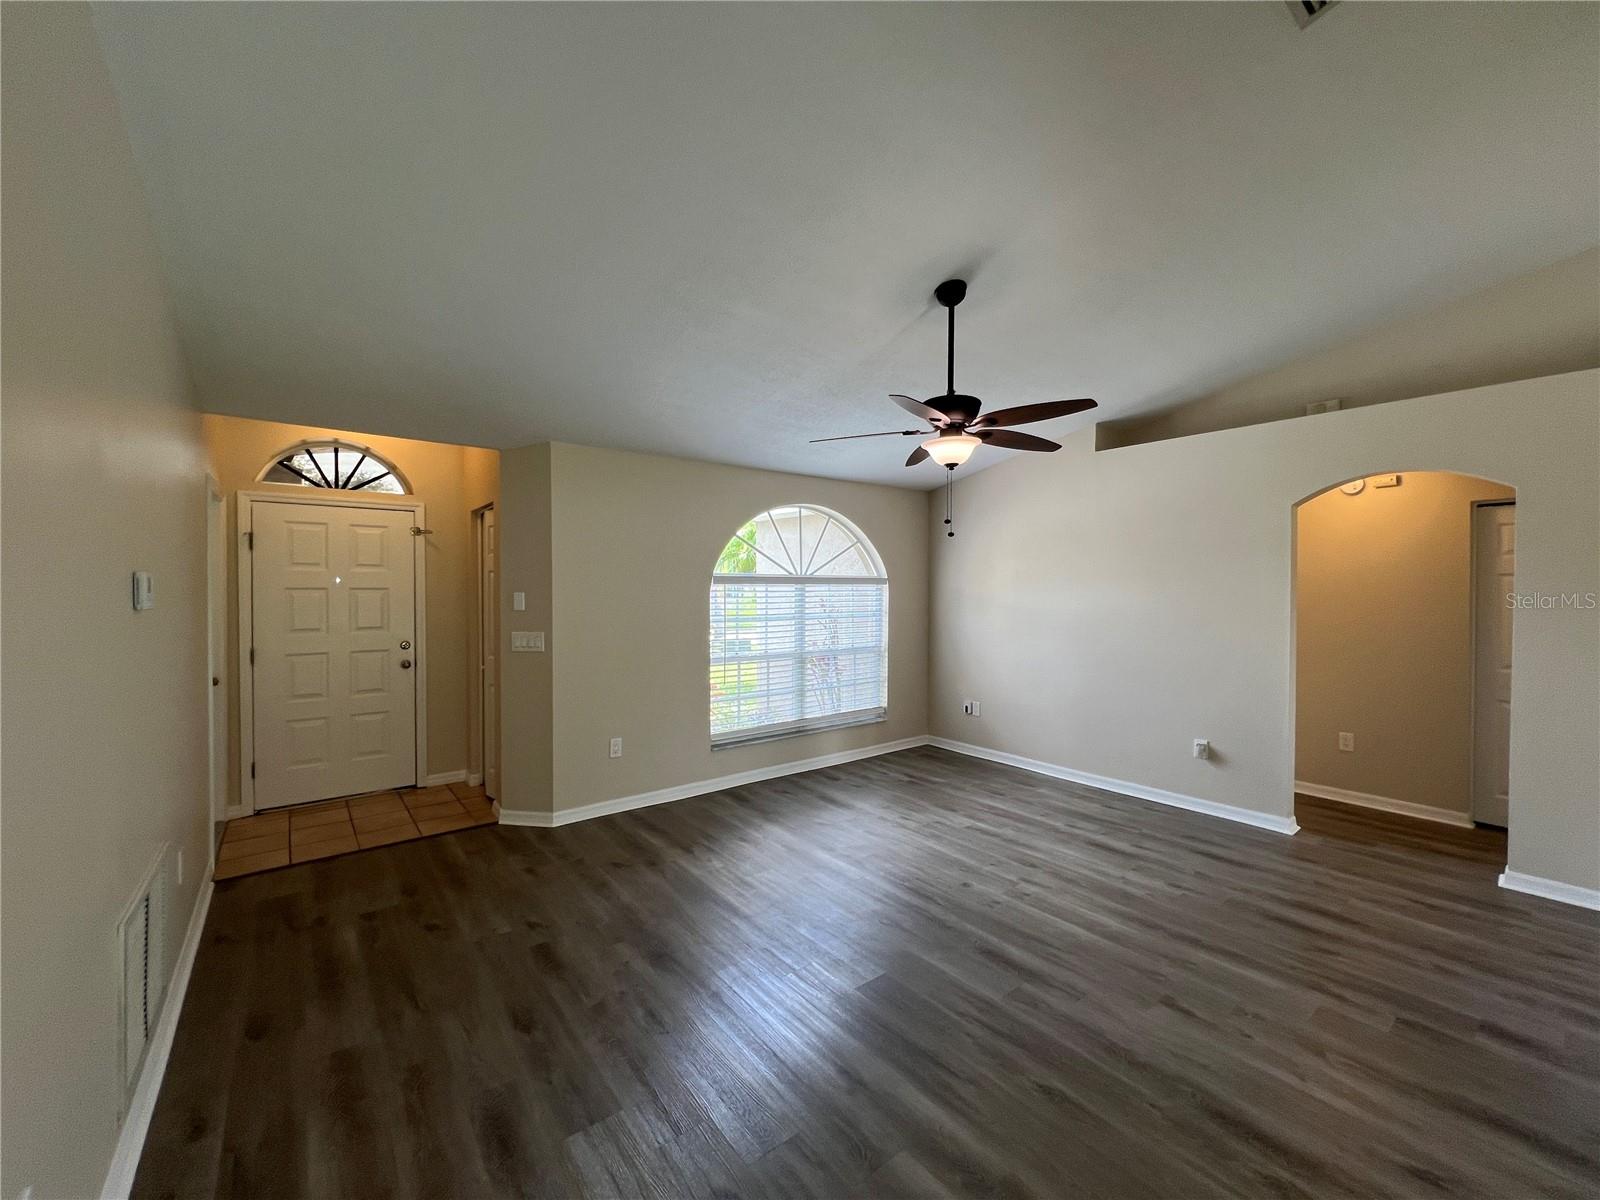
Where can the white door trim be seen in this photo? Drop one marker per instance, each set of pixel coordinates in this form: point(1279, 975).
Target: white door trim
point(245, 503)
point(485, 719)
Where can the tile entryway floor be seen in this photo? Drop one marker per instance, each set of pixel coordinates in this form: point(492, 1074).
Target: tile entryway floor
point(270, 840)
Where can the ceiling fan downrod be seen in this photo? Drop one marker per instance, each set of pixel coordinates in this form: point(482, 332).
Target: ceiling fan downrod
point(951, 293)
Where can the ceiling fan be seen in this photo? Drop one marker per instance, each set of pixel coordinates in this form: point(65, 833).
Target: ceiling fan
point(957, 421)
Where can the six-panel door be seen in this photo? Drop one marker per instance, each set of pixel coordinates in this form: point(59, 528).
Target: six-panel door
point(334, 630)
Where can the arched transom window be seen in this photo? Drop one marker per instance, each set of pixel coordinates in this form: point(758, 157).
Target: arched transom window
point(332, 464)
point(799, 627)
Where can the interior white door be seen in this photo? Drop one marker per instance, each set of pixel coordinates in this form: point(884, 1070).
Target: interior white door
point(334, 630)
point(217, 648)
point(1494, 533)
point(489, 652)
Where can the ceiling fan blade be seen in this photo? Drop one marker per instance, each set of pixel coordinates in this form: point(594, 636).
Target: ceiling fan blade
point(917, 455)
point(918, 409)
point(1010, 439)
point(845, 437)
point(1025, 414)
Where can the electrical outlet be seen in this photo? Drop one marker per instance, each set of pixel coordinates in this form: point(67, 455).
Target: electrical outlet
point(1347, 741)
point(973, 708)
point(616, 747)
point(1202, 748)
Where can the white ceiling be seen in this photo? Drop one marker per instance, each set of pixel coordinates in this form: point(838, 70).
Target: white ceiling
point(713, 231)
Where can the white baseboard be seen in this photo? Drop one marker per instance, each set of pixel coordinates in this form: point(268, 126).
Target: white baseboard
point(130, 1140)
point(444, 777)
point(1404, 808)
point(1211, 808)
point(605, 808)
point(1550, 889)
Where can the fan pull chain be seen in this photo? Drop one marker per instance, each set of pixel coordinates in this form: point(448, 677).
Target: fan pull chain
point(950, 501)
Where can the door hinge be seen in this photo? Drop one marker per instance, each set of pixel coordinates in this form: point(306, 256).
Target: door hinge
point(252, 770)
point(250, 540)
point(252, 656)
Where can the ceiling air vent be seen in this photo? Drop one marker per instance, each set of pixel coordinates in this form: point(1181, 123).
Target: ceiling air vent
point(1307, 11)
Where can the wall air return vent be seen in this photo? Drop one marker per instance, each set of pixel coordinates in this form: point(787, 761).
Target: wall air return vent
point(141, 938)
point(1307, 11)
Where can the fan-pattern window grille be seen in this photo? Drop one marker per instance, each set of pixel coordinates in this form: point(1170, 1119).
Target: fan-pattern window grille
point(339, 465)
point(799, 628)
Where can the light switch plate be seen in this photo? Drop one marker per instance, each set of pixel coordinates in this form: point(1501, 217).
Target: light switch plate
point(522, 640)
point(519, 601)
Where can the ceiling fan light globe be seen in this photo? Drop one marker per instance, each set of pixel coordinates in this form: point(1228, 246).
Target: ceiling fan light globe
point(951, 450)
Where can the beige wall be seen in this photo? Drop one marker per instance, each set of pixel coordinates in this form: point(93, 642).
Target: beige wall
point(451, 481)
point(632, 540)
point(526, 680)
point(1383, 638)
point(104, 745)
point(1142, 599)
point(1544, 323)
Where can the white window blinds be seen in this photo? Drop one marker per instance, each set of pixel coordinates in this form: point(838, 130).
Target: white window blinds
point(793, 652)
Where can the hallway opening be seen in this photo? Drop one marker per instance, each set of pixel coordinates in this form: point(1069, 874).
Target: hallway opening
point(1403, 603)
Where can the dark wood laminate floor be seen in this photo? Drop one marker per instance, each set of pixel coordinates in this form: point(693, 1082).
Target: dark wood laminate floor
point(918, 975)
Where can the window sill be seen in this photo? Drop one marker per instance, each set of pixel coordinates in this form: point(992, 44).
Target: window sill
point(751, 737)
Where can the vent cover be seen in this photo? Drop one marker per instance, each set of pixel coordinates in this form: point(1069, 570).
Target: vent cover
point(1307, 11)
point(141, 935)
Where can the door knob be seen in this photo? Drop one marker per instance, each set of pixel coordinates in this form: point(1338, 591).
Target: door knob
point(405, 664)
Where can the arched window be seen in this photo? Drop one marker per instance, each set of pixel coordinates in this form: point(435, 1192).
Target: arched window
point(799, 628)
point(335, 464)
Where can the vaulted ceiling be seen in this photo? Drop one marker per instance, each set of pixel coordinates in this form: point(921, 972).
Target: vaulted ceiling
point(714, 230)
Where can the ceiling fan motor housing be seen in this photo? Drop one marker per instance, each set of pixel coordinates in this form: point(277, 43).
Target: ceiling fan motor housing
point(957, 407)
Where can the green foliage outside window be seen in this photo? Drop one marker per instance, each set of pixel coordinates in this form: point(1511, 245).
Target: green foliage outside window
point(739, 555)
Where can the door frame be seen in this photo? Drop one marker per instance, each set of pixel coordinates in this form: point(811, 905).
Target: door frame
point(217, 701)
point(245, 502)
point(481, 714)
point(1472, 656)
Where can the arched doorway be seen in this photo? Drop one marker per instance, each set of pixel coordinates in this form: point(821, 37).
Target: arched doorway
point(1402, 660)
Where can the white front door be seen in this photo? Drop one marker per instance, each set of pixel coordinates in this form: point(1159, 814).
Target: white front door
point(333, 617)
point(489, 651)
point(1494, 534)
